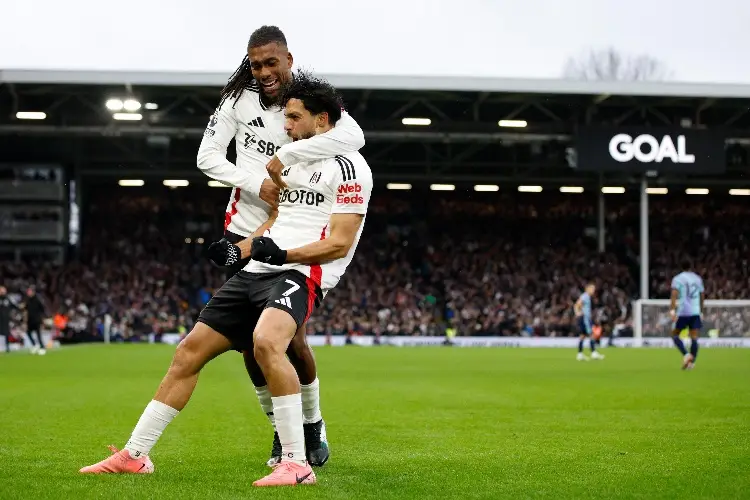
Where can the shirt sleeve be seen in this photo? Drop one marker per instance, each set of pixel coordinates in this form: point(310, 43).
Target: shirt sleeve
point(345, 137)
point(212, 153)
point(353, 186)
point(675, 283)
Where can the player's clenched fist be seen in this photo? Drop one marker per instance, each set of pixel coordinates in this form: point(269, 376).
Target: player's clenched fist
point(223, 253)
point(269, 192)
point(274, 168)
point(265, 250)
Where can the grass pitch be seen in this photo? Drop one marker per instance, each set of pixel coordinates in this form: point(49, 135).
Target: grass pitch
point(403, 423)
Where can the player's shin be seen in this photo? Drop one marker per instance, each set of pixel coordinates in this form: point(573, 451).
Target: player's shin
point(580, 345)
point(173, 394)
point(694, 347)
point(303, 360)
point(592, 344)
point(288, 412)
point(200, 346)
point(678, 343)
point(264, 398)
point(149, 428)
point(272, 335)
point(260, 384)
point(311, 402)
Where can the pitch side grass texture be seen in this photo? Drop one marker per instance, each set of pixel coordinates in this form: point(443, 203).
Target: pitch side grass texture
point(403, 423)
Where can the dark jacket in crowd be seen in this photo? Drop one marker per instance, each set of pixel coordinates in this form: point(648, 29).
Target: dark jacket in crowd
point(35, 311)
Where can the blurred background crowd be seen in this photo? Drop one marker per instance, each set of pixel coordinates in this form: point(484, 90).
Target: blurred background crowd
point(479, 263)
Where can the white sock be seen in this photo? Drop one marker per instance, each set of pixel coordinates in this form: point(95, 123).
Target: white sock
point(288, 412)
point(311, 402)
point(152, 423)
point(264, 398)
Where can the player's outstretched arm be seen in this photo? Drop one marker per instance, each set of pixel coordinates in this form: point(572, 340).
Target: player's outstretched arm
point(346, 137)
point(212, 153)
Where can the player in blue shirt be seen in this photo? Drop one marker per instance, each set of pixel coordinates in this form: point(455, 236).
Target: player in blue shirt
point(687, 288)
point(585, 324)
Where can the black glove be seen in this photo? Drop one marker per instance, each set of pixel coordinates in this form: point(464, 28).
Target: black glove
point(223, 253)
point(265, 250)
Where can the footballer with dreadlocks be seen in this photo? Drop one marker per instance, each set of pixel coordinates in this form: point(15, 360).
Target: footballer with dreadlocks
point(249, 112)
point(312, 240)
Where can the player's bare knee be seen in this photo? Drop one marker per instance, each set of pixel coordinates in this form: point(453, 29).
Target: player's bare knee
point(267, 348)
point(273, 333)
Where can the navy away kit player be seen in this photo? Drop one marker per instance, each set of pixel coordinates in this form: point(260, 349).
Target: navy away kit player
point(686, 309)
point(585, 323)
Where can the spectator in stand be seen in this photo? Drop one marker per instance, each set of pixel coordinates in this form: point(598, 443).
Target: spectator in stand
point(6, 308)
point(35, 312)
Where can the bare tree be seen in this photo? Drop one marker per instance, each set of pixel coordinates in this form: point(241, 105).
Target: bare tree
point(612, 65)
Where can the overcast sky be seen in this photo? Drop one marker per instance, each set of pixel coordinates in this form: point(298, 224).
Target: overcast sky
point(700, 41)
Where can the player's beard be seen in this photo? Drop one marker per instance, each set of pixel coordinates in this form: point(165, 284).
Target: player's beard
point(306, 135)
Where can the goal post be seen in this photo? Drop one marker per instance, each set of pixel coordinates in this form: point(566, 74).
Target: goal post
point(721, 318)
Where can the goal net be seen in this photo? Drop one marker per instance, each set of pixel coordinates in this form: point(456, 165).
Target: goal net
point(721, 318)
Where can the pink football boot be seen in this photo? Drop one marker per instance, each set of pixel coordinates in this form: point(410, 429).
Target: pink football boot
point(120, 462)
point(288, 474)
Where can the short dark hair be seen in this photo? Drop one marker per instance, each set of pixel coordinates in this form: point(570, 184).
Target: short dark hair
point(316, 94)
point(687, 265)
point(242, 79)
point(265, 35)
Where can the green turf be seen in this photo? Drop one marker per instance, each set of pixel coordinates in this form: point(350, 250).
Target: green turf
point(402, 422)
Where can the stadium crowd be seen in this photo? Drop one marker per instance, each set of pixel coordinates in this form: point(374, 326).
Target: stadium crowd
point(481, 265)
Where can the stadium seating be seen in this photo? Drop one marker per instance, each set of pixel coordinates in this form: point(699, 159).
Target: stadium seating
point(495, 264)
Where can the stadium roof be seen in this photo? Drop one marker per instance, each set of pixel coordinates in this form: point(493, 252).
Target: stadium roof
point(388, 82)
point(463, 142)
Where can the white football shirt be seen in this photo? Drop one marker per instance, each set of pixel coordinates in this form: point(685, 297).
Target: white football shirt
point(317, 190)
point(259, 134)
point(690, 287)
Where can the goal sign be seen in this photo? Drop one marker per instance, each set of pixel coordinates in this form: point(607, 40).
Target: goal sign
point(643, 149)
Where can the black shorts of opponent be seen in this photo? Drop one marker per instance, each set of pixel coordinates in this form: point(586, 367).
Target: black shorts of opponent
point(236, 307)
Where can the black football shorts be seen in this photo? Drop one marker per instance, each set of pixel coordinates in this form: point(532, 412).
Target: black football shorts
point(236, 307)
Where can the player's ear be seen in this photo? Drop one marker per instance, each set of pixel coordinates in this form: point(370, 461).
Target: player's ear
point(290, 59)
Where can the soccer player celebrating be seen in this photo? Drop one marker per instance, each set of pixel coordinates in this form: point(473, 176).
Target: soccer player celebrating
point(687, 288)
point(585, 325)
point(250, 114)
point(310, 243)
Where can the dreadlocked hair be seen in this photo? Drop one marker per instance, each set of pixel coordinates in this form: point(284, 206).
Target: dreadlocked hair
point(243, 79)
